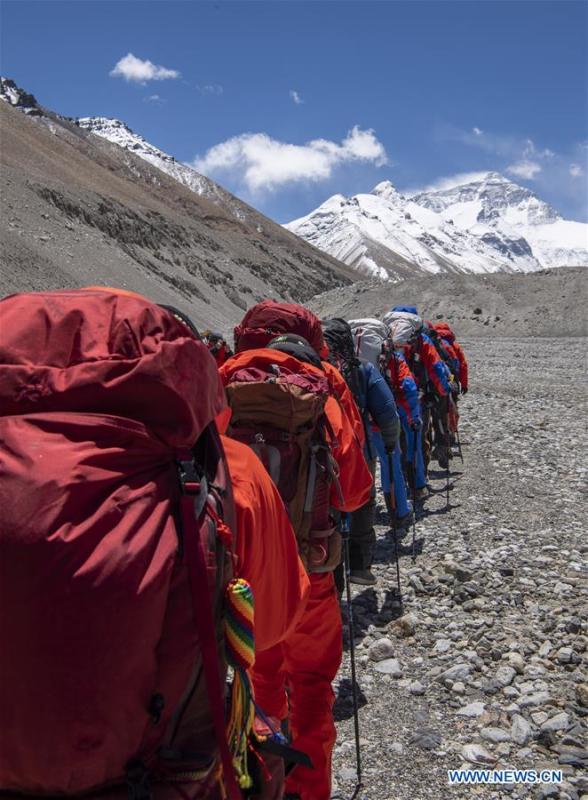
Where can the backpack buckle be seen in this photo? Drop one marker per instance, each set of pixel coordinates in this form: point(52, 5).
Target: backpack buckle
point(190, 476)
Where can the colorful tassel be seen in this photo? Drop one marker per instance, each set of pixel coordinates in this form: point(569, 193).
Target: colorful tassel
point(240, 650)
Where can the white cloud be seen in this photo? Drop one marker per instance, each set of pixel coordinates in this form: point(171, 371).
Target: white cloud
point(210, 88)
point(296, 97)
point(265, 163)
point(154, 98)
point(525, 169)
point(448, 182)
point(136, 70)
point(576, 171)
point(477, 131)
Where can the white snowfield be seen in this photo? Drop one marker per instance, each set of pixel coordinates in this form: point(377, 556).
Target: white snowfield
point(486, 225)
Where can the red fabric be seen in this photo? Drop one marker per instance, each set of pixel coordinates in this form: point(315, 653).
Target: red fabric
point(355, 478)
point(81, 351)
point(463, 365)
point(433, 364)
point(306, 664)
point(341, 390)
point(266, 549)
point(397, 371)
point(444, 330)
point(268, 319)
point(220, 354)
point(89, 635)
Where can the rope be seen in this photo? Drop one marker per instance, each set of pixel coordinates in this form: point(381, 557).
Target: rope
point(240, 650)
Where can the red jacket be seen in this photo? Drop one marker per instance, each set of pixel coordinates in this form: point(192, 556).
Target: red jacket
point(266, 548)
point(445, 331)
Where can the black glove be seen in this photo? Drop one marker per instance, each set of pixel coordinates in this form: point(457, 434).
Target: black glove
point(464, 390)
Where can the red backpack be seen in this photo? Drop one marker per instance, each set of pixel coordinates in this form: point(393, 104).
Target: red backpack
point(113, 552)
point(279, 411)
point(269, 318)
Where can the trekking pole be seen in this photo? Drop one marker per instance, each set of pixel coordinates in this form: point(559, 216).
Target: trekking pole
point(459, 452)
point(415, 441)
point(447, 456)
point(345, 532)
point(393, 523)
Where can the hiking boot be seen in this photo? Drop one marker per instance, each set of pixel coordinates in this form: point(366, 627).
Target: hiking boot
point(422, 493)
point(404, 522)
point(363, 577)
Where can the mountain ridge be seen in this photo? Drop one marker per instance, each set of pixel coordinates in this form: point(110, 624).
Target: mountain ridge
point(79, 210)
point(490, 224)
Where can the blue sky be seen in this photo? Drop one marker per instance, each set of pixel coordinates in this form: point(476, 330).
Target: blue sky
point(276, 100)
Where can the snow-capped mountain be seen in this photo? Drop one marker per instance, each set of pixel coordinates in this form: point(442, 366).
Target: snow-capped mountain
point(487, 225)
point(493, 205)
point(120, 134)
point(17, 97)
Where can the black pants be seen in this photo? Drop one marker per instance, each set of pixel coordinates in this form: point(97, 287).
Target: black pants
point(363, 536)
point(439, 418)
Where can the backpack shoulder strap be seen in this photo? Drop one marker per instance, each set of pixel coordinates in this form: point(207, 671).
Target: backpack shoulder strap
point(193, 502)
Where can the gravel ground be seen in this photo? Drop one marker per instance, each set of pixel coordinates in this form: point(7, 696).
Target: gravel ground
point(486, 667)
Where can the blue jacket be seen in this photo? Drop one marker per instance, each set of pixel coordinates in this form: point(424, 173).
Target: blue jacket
point(376, 403)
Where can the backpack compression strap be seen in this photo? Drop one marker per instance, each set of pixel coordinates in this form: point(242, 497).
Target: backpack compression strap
point(195, 487)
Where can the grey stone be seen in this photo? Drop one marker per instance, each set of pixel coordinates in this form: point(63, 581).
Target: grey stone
point(416, 688)
point(477, 754)
point(546, 791)
point(495, 735)
point(471, 710)
point(516, 661)
point(390, 666)
point(458, 672)
point(545, 649)
point(574, 756)
point(347, 774)
point(574, 625)
point(505, 675)
point(535, 699)
point(426, 739)
point(560, 722)
point(405, 626)
point(381, 649)
point(520, 730)
point(565, 655)
point(582, 694)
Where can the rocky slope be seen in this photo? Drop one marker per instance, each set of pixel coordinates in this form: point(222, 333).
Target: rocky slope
point(115, 131)
point(487, 666)
point(547, 303)
point(486, 225)
point(78, 210)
